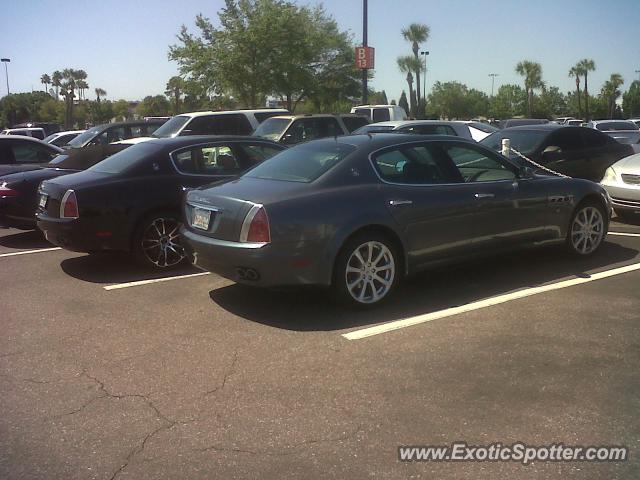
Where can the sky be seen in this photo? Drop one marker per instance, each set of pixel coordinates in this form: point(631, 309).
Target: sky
point(123, 44)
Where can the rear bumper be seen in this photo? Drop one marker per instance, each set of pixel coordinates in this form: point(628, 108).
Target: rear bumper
point(14, 214)
point(269, 265)
point(75, 234)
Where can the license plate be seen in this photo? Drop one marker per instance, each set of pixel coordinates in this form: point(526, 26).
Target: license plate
point(201, 218)
point(42, 201)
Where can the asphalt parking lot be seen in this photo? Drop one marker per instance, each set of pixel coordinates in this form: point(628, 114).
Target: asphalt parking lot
point(107, 371)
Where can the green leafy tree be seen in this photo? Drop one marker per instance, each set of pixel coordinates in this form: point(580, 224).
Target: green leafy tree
point(416, 33)
point(450, 100)
point(510, 101)
point(51, 111)
point(551, 103)
point(532, 73)
point(100, 93)
point(56, 82)
point(585, 66)
point(101, 111)
point(45, 80)
point(153, 106)
point(174, 90)
point(403, 102)
point(631, 100)
point(68, 91)
point(22, 107)
point(121, 110)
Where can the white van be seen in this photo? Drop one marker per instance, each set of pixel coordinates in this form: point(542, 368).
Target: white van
point(229, 122)
point(381, 113)
point(38, 133)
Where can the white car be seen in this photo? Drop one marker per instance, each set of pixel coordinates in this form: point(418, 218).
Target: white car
point(60, 139)
point(622, 182)
point(34, 132)
point(381, 113)
point(624, 131)
point(465, 129)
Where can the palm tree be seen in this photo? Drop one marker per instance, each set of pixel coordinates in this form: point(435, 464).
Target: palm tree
point(100, 93)
point(532, 73)
point(586, 65)
point(67, 90)
point(82, 86)
point(408, 65)
point(45, 80)
point(611, 92)
point(56, 78)
point(576, 72)
point(416, 33)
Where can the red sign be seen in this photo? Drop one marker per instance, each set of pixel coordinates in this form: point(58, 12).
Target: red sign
point(365, 58)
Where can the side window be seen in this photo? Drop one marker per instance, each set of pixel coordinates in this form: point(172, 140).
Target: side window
point(201, 126)
point(429, 130)
point(207, 160)
point(354, 123)
point(301, 131)
point(257, 153)
point(150, 128)
point(327, 127)
point(31, 154)
point(363, 111)
point(476, 166)
point(594, 139)
point(238, 124)
point(115, 134)
point(567, 140)
point(137, 131)
point(415, 165)
point(381, 115)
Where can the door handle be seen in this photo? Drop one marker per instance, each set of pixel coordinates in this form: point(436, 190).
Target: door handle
point(484, 195)
point(400, 203)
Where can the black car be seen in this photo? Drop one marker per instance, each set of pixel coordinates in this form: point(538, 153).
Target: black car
point(360, 212)
point(114, 132)
point(18, 152)
point(574, 151)
point(131, 201)
point(19, 189)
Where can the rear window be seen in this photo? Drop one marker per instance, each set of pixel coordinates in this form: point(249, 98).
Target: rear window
point(381, 115)
point(126, 159)
point(353, 123)
point(616, 126)
point(304, 163)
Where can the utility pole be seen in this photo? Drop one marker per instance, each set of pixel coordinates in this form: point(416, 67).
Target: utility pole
point(6, 71)
point(365, 72)
point(424, 83)
point(493, 79)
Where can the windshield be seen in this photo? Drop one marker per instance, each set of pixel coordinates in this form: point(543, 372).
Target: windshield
point(272, 128)
point(373, 128)
point(126, 159)
point(171, 127)
point(303, 163)
point(616, 126)
point(525, 141)
point(82, 139)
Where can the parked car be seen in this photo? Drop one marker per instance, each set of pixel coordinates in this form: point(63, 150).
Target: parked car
point(113, 132)
point(575, 151)
point(17, 152)
point(471, 130)
point(231, 122)
point(60, 139)
point(292, 129)
point(25, 132)
point(19, 189)
point(635, 120)
point(520, 122)
point(412, 202)
point(130, 202)
point(48, 127)
point(624, 131)
point(622, 181)
point(380, 113)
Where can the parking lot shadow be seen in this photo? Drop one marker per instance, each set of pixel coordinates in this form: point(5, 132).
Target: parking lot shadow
point(108, 268)
point(25, 240)
point(446, 287)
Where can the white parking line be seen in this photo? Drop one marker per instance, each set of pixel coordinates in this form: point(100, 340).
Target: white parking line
point(488, 302)
point(624, 234)
point(26, 252)
point(153, 280)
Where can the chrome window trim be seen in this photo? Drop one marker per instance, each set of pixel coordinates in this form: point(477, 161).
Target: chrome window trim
point(372, 165)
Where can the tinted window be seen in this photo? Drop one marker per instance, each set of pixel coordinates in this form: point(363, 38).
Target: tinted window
point(137, 131)
point(171, 127)
point(475, 166)
point(126, 159)
point(257, 153)
point(115, 134)
point(207, 160)
point(567, 140)
point(429, 130)
point(83, 138)
point(381, 115)
point(593, 138)
point(363, 111)
point(613, 126)
point(417, 165)
point(303, 163)
point(328, 127)
point(301, 130)
point(64, 139)
point(25, 153)
point(525, 141)
point(228, 124)
point(271, 128)
point(353, 123)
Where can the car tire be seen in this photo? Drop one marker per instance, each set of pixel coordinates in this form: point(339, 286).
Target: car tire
point(156, 242)
point(367, 270)
point(587, 229)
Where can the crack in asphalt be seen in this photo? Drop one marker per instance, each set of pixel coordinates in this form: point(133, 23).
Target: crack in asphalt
point(293, 447)
point(230, 371)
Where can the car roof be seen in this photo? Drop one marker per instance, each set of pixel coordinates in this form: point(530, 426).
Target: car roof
point(177, 142)
point(226, 112)
point(105, 126)
point(400, 123)
point(380, 140)
point(542, 127)
point(21, 138)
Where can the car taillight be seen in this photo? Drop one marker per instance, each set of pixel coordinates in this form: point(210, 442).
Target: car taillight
point(7, 192)
point(255, 228)
point(69, 205)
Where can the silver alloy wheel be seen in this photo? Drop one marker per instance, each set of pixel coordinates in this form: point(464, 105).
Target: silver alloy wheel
point(587, 230)
point(161, 242)
point(370, 272)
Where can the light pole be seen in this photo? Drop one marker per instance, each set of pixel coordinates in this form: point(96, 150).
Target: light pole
point(493, 79)
point(424, 83)
point(365, 16)
point(6, 71)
